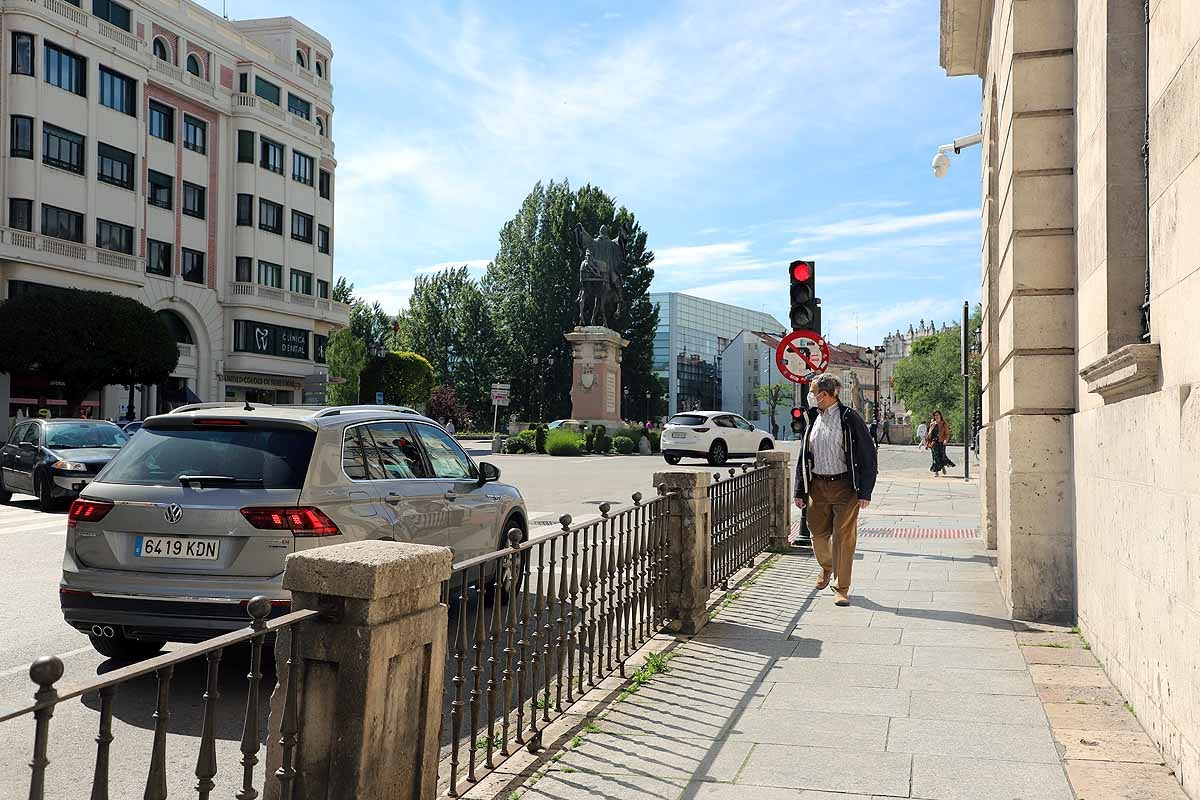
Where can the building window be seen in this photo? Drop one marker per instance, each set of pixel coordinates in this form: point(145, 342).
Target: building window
point(322, 289)
point(20, 214)
point(270, 340)
point(158, 258)
point(160, 50)
point(161, 189)
point(195, 134)
point(62, 224)
point(66, 70)
point(323, 239)
point(193, 266)
point(302, 226)
point(299, 106)
point(62, 148)
point(319, 344)
point(22, 57)
point(270, 274)
point(114, 165)
point(245, 209)
point(302, 168)
point(266, 90)
point(112, 13)
point(193, 65)
point(320, 69)
point(326, 181)
point(272, 156)
point(118, 92)
point(270, 216)
point(245, 153)
point(321, 125)
point(162, 121)
point(301, 60)
point(243, 82)
point(242, 269)
point(193, 200)
point(114, 236)
point(301, 282)
point(21, 145)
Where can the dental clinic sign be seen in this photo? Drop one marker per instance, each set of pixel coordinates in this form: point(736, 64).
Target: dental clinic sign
point(270, 340)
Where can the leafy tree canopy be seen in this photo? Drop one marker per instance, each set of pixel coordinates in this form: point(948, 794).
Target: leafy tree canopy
point(404, 379)
point(86, 339)
point(346, 355)
point(930, 379)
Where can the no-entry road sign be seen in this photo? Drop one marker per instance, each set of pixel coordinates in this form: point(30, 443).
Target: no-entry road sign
point(802, 356)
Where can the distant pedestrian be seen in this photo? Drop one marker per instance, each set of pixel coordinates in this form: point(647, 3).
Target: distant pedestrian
point(887, 433)
point(450, 427)
point(874, 432)
point(834, 480)
point(922, 432)
point(939, 435)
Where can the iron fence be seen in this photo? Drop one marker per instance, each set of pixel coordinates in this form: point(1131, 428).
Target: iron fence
point(47, 671)
point(544, 620)
point(740, 510)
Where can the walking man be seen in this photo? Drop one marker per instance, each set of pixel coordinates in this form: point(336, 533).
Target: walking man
point(834, 479)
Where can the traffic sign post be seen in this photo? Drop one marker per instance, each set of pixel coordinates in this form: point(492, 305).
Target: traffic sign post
point(501, 395)
point(801, 356)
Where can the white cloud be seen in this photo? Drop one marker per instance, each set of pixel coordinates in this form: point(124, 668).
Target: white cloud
point(881, 225)
point(392, 295)
point(738, 292)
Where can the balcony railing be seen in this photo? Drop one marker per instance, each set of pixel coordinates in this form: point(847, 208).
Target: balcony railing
point(69, 11)
point(118, 35)
point(169, 69)
point(240, 289)
point(20, 241)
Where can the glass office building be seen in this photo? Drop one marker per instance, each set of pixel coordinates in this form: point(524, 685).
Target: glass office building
point(692, 333)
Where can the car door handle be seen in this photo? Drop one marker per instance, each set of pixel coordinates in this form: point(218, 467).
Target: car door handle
point(394, 498)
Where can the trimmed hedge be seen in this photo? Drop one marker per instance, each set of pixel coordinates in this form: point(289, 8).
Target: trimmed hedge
point(623, 445)
point(564, 443)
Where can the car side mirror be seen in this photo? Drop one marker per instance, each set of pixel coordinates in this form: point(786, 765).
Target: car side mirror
point(488, 472)
point(27, 446)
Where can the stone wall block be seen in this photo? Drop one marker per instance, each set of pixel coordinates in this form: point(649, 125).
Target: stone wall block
point(1042, 202)
point(781, 489)
point(1041, 143)
point(1044, 83)
point(1043, 569)
point(689, 536)
point(1038, 382)
point(1043, 25)
point(1038, 321)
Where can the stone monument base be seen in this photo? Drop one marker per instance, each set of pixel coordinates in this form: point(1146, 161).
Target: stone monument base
point(596, 375)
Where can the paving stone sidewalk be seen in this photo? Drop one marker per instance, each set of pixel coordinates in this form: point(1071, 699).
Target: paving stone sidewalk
point(920, 689)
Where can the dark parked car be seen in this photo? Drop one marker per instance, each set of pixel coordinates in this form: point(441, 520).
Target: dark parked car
point(53, 459)
point(131, 428)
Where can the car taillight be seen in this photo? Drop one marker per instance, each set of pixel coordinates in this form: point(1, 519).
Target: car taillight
point(701, 430)
point(87, 511)
point(300, 520)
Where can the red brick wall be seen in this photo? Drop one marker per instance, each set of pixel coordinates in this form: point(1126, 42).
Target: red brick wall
point(172, 40)
point(227, 78)
point(204, 57)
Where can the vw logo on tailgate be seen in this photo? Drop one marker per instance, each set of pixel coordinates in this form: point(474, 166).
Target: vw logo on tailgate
point(173, 513)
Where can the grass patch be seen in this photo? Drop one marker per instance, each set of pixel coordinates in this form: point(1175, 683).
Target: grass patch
point(1053, 644)
point(1081, 702)
point(656, 663)
point(544, 702)
point(576, 740)
point(497, 741)
point(591, 727)
point(569, 769)
point(1129, 708)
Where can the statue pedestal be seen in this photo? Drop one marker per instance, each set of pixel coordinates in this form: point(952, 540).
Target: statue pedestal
point(596, 375)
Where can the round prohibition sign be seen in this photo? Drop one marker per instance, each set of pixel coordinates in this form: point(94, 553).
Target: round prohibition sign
point(811, 351)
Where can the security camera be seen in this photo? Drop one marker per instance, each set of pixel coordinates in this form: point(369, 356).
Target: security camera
point(941, 164)
point(941, 161)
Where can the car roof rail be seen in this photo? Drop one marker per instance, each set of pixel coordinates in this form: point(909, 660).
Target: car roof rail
point(204, 406)
point(333, 411)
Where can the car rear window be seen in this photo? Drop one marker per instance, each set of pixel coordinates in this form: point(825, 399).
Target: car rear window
point(158, 456)
point(690, 420)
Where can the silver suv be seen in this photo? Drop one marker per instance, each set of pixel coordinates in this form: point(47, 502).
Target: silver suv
point(196, 514)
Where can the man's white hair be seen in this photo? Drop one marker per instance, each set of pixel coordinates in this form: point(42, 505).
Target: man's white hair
point(827, 383)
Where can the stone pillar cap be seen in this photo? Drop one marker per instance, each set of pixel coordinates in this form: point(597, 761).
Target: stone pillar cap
point(682, 478)
point(366, 570)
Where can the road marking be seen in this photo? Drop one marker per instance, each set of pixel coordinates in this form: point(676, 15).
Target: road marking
point(8, 673)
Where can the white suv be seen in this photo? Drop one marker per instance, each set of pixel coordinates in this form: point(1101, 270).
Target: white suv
point(713, 435)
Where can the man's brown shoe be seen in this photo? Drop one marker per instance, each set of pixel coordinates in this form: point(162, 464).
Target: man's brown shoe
point(824, 579)
point(842, 599)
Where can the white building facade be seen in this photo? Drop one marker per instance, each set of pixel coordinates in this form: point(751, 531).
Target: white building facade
point(157, 151)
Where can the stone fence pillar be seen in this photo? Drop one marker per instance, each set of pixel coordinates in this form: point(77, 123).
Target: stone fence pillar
point(689, 533)
point(779, 484)
point(370, 671)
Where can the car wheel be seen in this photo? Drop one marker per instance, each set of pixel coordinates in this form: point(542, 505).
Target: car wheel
point(718, 454)
point(119, 648)
point(43, 492)
point(505, 566)
point(671, 459)
point(766, 444)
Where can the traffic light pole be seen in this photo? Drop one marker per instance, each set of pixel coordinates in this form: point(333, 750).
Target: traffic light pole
point(805, 538)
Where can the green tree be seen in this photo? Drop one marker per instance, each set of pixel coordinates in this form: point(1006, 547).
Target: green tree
point(930, 378)
point(346, 356)
point(774, 395)
point(404, 379)
point(532, 289)
point(96, 339)
point(448, 322)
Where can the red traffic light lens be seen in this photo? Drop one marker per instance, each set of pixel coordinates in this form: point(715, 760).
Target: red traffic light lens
point(801, 271)
point(797, 413)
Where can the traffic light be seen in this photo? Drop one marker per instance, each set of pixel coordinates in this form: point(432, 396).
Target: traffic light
point(805, 314)
point(797, 419)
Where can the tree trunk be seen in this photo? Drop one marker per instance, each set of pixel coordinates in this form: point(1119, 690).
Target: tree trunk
point(74, 395)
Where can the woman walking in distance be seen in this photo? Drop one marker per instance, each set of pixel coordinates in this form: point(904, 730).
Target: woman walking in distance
point(939, 434)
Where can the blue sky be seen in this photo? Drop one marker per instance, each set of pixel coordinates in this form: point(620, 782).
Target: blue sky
point(742, 135)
